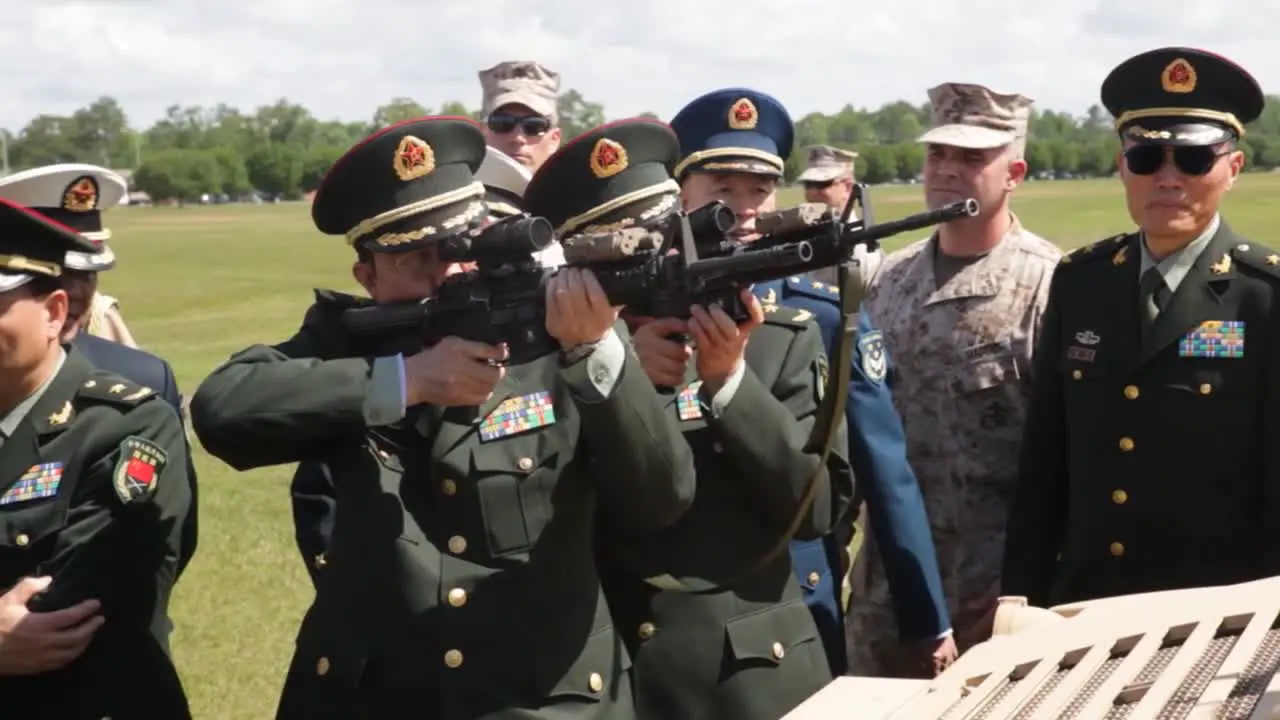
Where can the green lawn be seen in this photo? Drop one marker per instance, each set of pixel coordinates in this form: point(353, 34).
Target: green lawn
point(197, 284)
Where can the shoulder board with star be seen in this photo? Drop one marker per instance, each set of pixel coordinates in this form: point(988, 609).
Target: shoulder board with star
point(804, 286)
point(110, 389)
point(1102, 248)
point(1258, 257)
point(786, 316)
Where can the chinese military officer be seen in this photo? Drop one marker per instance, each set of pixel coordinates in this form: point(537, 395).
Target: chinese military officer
point(312, 489)
point(742, 645)
point(93, 498)
point(460, 578)
point(77, 195)
point(1149, 462)
point(734, 144)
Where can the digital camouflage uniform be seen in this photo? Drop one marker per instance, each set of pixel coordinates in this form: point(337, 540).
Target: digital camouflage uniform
point(962, 382)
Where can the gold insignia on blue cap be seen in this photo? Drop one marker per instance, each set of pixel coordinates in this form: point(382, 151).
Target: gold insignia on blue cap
point(743, 115)
point(414, 158)
point(81, 195)
point(608, 158)
point(1179, 76)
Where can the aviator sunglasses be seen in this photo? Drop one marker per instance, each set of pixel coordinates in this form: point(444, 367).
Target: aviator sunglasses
point(529, 124)
point(1190, 159)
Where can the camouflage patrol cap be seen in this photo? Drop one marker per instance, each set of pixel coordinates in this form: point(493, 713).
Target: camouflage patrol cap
point(826, 163)
point(520, 82)
point(972, 116)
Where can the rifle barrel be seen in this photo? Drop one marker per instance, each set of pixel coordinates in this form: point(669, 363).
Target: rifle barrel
point(918, 221)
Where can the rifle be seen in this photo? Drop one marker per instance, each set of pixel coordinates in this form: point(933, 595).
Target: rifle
point(502, 299)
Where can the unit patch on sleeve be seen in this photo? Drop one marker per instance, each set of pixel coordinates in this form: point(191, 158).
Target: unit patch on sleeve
point(874, 363)
point(138, 469)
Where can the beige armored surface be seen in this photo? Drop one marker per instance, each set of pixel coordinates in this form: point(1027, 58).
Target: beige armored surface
point(1203, 654)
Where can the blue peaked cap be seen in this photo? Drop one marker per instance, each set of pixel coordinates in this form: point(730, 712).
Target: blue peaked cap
point(734, 130)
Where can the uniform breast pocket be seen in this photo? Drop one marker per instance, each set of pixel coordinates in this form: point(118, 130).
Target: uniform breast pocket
point(1199, 383)
point(515, 480)
point(28, 531)
point(984, 371)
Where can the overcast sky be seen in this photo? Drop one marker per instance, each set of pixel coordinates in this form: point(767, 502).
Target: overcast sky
point(342, 58)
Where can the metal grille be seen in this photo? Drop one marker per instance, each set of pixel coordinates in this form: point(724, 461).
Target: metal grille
point(1184, 700)
point(1049, 686)
point(1086, 693)
point(996, 698)
point(1253, 682)
point(1149, 674)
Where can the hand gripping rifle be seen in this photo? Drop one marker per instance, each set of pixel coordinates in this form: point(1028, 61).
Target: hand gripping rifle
point(503, 299)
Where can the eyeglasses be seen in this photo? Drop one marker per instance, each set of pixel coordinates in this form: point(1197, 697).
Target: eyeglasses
point(531, 125)
point(1190, 159)
point(815, 185)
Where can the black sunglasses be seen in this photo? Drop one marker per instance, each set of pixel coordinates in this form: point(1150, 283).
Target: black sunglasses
point(818, 185)
point(1190, 159)
point(528, 124)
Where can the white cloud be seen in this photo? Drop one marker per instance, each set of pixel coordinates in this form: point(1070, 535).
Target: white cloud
point(342, 58)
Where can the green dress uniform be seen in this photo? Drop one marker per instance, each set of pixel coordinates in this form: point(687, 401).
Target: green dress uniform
point(750, 650)
point(94, 494)
point(460, 582)
point(1148, 462)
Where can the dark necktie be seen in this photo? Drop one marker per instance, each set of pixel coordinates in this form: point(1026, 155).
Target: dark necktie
point(1154, 297)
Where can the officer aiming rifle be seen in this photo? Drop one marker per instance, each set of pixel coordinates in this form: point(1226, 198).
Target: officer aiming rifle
point(500, 301)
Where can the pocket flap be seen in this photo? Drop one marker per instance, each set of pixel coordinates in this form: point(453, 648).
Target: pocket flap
point(770, 633)
point(984, 373)
point(593, 673)
point(518, 457)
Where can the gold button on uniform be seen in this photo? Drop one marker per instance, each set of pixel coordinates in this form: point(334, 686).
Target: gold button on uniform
point(814, 578)
point(22, 539)
point(453, 658)
point(1076, 374)
point(595, 682)
point(1205, 389)
point(322, 666)
point(320, 562)
point(457, 597)
point(778, 651)
point(448, 487)
point(457, 544)
point(1126, 444)
point(1117, 549)
point(524, 463)
point(1131, 392)
point(646, 630)
point(1119, 497)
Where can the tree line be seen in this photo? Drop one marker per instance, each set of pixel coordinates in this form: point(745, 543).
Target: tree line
point(283, 151)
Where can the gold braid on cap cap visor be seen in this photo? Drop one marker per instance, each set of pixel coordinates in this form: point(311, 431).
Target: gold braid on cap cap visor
point(769, 158)
point(501, 209)
point(27, 265)
point(1226, 118)
point(573, 223)
point(366, 227)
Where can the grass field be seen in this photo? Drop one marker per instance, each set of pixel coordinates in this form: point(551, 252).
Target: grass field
point(199, 283)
